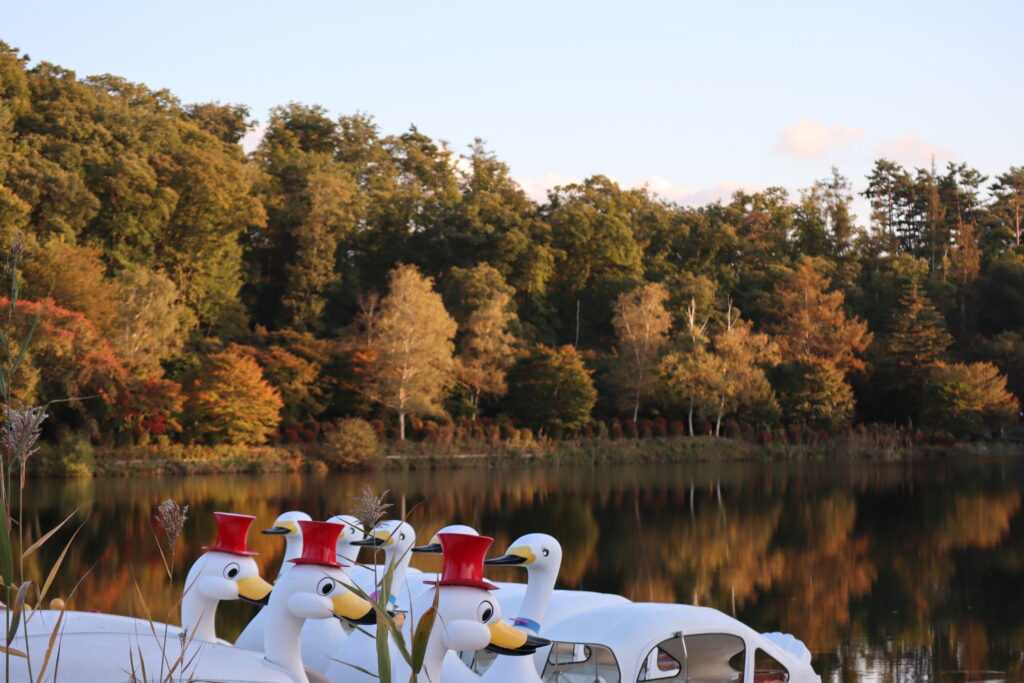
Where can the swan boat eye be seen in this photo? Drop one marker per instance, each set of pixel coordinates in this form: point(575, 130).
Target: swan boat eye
point(485, 611)
point(231, 570)
point(545, 552)
point(325, 586)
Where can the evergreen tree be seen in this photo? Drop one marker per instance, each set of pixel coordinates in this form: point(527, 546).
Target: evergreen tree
point(915, 344)
point(552, 389)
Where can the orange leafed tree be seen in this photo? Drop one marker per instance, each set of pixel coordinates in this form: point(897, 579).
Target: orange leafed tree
point(68, 357)
point(229, 401)
point(810, 323)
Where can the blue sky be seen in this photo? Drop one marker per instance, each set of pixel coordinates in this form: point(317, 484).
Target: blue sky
point(693, 99)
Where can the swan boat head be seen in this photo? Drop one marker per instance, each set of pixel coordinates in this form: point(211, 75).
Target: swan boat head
point(313, 588)
point(226, 571)
point(287, 525)
point(347, 551)
point(434, 546)
point(469, 616)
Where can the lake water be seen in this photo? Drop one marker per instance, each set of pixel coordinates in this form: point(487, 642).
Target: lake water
point(887, 571)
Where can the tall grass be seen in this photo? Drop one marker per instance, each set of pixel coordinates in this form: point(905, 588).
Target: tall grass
point(18, 442)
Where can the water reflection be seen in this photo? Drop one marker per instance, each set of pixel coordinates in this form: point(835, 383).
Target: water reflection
point(888, 572)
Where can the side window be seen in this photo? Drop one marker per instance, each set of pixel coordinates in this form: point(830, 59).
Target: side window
point(660, 664)
point(580, 663)
point(714, 658)
point(768, 670)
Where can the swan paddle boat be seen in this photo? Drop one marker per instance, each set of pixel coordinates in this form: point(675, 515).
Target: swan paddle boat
point(663, 642)
point(467, 617)
point(286, 526)
point(394, 540)
point(101, 647)
point(321, 637)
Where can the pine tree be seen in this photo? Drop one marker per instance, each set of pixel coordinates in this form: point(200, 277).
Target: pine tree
point(916, 343)
point(809, 321)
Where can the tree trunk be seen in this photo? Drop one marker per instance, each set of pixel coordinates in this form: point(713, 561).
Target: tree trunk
point(691, 417)
point(718, 419)
point(401, 425)
point(636, 407)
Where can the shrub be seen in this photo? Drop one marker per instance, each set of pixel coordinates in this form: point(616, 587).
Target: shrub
point(660, 426)
point(74, 457)
point(676, 428)
point(354, 444)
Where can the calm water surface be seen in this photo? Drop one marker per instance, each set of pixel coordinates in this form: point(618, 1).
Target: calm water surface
point(888, 571)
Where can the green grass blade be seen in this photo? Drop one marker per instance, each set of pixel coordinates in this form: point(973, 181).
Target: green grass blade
point(422, 635)
point(56, 565)
point(383, 656)
point(17, 610)
point(45, 537)
point(6, 556)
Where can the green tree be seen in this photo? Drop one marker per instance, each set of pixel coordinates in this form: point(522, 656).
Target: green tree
point(641, 325)
point(486, 349)
point(814, 392)
point(915, 344)
point(411, 343)
point(968, 399)
point(229, 401)
point(1007, 210)
point(552, 389)
point(593, 233)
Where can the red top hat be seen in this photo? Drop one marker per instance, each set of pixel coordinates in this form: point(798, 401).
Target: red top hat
point(463, 557)
point(319, 543)
point(232, 532)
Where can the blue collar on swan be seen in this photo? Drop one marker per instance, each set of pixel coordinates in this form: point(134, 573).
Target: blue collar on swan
point(528, 624)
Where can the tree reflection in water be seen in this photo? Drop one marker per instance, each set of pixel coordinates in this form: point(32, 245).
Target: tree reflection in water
point(888, 571)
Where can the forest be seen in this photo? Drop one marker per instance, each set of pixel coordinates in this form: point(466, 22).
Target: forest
point(178, 290)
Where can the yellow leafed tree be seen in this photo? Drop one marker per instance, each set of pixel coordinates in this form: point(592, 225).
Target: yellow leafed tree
point(641, 326)
point(411, 344)
point(487, 349)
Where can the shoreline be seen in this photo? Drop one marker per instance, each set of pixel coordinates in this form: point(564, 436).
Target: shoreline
point(141, 461)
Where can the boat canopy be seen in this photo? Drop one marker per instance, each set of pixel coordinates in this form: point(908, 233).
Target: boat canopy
point(629, 634)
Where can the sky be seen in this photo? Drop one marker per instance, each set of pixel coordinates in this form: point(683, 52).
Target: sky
point(692, 99)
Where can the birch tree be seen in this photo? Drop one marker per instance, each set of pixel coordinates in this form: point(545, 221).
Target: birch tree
point(641, 326)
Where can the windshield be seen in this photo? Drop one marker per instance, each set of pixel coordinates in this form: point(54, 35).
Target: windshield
point(581, 663)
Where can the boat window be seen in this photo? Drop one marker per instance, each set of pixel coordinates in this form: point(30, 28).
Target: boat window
point(580, 663)
point(768, 670)
point(659, 666)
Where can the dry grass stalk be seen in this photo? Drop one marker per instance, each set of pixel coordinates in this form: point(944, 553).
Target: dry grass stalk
point(370, 509)
point(171, 517)
point(20, 434)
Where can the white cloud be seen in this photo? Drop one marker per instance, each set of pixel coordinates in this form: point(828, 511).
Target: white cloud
point(681, 194)
point(808, 138)
point(252, 138)
point(911, 149)
point(537, 188)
